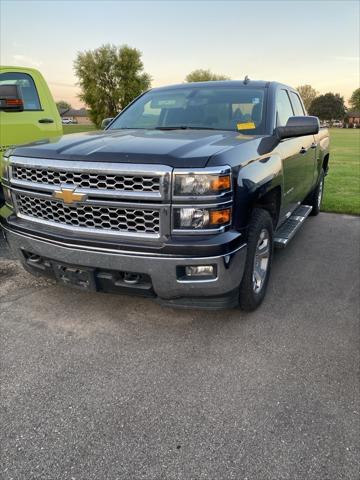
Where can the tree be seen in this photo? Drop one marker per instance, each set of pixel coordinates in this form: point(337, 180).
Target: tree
point(354, 100)
point(328, 107)
point(201, 75)
point(308, 94)
point(110, 77)
point(63, 105)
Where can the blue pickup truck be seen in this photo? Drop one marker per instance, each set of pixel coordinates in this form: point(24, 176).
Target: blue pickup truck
point(182, 197)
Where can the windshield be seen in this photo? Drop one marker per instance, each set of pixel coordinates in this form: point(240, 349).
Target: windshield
point(216, 108)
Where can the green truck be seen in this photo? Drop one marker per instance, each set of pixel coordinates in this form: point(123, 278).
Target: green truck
point(27, 111)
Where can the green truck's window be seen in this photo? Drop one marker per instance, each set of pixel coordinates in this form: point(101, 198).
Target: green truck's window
point(26, 87)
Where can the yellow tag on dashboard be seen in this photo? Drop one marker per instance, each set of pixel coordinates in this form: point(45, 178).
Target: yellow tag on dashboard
point(245, 126)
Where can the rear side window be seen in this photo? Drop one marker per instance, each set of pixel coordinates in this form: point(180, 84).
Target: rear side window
point(26, 86)
point(283, 108)
point(296, 103)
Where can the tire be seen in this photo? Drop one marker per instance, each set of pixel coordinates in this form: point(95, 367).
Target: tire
point(316, 196)
point(260, 241)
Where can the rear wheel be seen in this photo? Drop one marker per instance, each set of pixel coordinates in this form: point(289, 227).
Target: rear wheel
point(316, 196)
point(258, 260)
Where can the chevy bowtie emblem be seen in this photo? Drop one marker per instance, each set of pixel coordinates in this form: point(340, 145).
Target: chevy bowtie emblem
point(69, 196)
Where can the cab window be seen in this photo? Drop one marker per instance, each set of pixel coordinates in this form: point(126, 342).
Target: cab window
point(283, 108)
point(296, 103)
point(26, 86)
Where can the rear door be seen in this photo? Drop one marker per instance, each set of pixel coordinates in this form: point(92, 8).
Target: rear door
point(37, 121)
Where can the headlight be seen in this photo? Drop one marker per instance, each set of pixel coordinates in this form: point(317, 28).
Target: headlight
point(4, 168)
point(4, 179)
point(212, 183)
point(189, 218)
point(7, 196)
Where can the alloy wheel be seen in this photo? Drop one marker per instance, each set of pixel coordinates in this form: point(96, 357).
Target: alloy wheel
point(261, 260)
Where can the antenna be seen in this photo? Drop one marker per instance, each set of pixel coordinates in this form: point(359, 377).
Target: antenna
point(246, 80)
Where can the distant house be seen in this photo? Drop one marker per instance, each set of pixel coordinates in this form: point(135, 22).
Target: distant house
point(80, 116)
point(353, 118)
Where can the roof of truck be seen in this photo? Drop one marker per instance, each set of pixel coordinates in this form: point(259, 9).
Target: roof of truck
point(17, 68)
point(227, 83)
point(224, 83)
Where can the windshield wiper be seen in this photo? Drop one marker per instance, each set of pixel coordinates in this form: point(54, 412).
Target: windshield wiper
point(184, 127)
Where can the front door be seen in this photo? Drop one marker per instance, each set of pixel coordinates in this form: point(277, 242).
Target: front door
point(303, 166)
point(35, 122)
point(298, 156)
point(307, 149)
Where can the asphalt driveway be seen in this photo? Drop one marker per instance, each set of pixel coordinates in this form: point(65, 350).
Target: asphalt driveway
point(109, 387)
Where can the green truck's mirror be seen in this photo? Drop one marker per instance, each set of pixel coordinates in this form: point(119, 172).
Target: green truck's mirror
point(106, 122)
point(10, 99)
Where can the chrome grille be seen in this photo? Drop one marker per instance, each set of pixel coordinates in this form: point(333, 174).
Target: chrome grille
point(130, 220)
point(118, 199)
point(130, 183)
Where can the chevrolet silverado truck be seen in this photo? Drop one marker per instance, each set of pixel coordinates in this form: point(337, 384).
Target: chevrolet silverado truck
point(27, 109)
point(182, 197)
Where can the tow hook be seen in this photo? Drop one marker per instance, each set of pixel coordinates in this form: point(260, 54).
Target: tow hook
point(131, 278)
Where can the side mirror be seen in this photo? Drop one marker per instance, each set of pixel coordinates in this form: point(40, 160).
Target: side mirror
point(298, 127)
point(106, 122)
point(10, 99)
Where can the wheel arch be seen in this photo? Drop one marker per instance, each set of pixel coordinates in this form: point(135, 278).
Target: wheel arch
point(271, 202)
point(260, 185)
point(325, 163)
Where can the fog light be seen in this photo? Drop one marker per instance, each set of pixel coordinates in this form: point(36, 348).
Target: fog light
point(199, 270)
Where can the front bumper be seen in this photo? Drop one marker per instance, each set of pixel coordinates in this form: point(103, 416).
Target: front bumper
point(162, 270)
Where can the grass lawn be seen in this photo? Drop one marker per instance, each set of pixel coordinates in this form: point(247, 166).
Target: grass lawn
point(77, 128)
point(342, 185)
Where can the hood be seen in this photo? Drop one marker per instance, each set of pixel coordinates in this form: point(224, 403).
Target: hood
point(175, 148)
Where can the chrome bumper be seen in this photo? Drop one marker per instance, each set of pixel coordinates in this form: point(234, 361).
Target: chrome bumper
point(161, 269)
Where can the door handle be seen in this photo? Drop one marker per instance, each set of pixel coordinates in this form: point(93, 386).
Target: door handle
point(314, 145)
point(303, 150)
point(46, 120)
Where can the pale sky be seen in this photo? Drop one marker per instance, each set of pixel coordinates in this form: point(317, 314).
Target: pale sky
point(294, 42)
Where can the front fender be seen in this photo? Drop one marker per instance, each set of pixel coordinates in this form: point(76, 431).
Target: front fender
point(255, 179)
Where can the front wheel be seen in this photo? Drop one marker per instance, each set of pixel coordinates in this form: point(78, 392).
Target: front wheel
point(258, 260)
